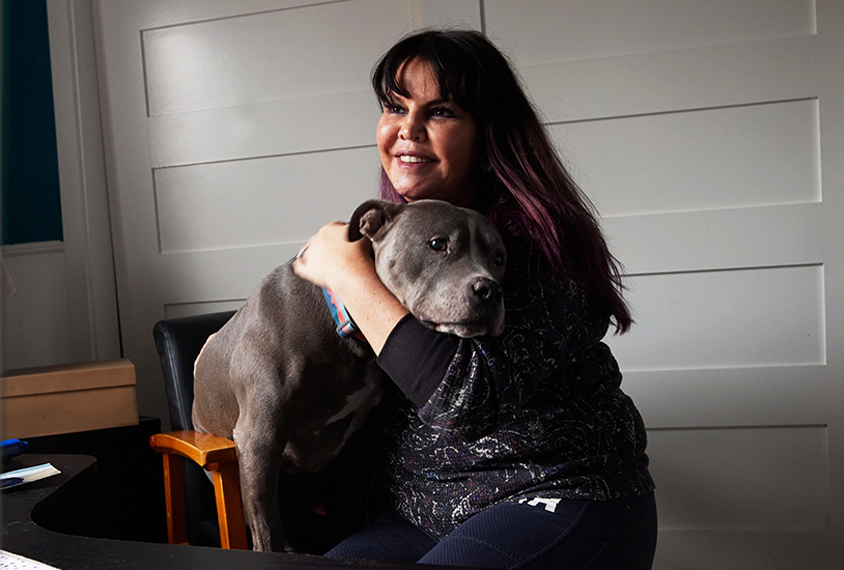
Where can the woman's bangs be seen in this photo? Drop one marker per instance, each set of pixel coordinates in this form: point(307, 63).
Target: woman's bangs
point(450, 72)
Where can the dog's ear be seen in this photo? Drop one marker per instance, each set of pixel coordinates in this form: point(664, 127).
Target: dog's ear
point(372, 216)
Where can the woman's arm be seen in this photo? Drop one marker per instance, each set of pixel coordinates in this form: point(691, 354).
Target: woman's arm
point(330, 260)
point(549, 343)
point(468, 387)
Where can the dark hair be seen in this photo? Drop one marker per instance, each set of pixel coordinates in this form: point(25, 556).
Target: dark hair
point(525, 187)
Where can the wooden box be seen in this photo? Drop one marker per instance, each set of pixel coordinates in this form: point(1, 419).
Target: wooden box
point(68, 398)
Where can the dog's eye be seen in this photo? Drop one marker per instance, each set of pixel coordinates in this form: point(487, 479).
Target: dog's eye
point(438, 244)
point(499, 258)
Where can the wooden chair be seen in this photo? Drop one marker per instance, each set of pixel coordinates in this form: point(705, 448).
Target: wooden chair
point(178, 342)
point(216, 454)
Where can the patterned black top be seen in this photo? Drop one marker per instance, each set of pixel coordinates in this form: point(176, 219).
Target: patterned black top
point(535, 412)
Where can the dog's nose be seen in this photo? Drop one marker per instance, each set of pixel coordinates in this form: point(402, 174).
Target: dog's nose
point(486, 289)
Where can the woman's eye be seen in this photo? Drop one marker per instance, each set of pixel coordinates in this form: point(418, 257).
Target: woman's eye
point(442, 112)
point(393, 109)
point(438, 244)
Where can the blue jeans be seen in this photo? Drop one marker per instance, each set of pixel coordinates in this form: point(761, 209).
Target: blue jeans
point(569, 534)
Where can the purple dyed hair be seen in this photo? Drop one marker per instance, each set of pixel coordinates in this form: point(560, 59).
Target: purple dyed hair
point(526, 190)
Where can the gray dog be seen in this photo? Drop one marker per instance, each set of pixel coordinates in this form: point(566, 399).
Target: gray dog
point(290, 390)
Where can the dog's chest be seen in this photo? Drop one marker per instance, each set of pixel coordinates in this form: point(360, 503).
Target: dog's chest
point(316, 443)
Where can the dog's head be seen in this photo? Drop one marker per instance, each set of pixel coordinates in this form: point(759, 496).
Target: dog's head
point(444, 263)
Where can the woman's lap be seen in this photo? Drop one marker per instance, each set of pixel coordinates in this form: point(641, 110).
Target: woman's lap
point(391, 538)
point(538, 534)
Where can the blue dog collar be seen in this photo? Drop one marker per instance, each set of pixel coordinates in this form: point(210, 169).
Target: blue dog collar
point(346, 327)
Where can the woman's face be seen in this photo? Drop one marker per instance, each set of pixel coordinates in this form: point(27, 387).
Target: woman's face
point(428, 146)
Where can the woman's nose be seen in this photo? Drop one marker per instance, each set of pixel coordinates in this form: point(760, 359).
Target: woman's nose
point(412, 128)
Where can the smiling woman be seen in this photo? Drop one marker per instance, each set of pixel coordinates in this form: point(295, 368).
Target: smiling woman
point(507, 450)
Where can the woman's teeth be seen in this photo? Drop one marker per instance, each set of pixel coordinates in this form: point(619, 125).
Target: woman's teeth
point(413, 159)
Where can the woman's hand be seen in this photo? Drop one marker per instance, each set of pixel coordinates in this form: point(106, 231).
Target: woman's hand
point(329, 257)
point(330, 260)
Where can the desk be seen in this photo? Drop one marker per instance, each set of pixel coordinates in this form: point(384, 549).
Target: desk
point(22, 535)
point(128, 479)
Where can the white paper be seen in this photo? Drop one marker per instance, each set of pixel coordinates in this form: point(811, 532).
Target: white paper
point(27, 475)
point(11, 561)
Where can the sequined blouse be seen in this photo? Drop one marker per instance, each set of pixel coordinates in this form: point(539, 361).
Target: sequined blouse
point(535, 412)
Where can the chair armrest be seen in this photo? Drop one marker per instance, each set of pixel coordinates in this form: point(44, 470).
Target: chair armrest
point(201, 448)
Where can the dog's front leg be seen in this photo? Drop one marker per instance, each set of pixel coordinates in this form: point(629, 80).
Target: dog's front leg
point(259, 451)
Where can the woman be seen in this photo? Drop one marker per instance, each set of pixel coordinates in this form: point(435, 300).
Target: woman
point(514, 451)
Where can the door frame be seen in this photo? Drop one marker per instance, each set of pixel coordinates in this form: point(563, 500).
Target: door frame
point(89, 257)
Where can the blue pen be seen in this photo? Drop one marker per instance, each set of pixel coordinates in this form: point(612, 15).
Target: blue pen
point(13, 447)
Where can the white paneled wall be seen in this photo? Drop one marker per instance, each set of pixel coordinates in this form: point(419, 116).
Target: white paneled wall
point(550, 31)
point(727, 157)
point(189, 69)
point(763, 462)
point(681, 324)
point(197, 210)
point(36, 324)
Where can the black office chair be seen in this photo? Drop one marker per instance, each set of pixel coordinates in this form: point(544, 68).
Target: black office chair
point(326, 506)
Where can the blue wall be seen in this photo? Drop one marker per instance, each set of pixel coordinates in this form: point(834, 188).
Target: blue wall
point(30, 170)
